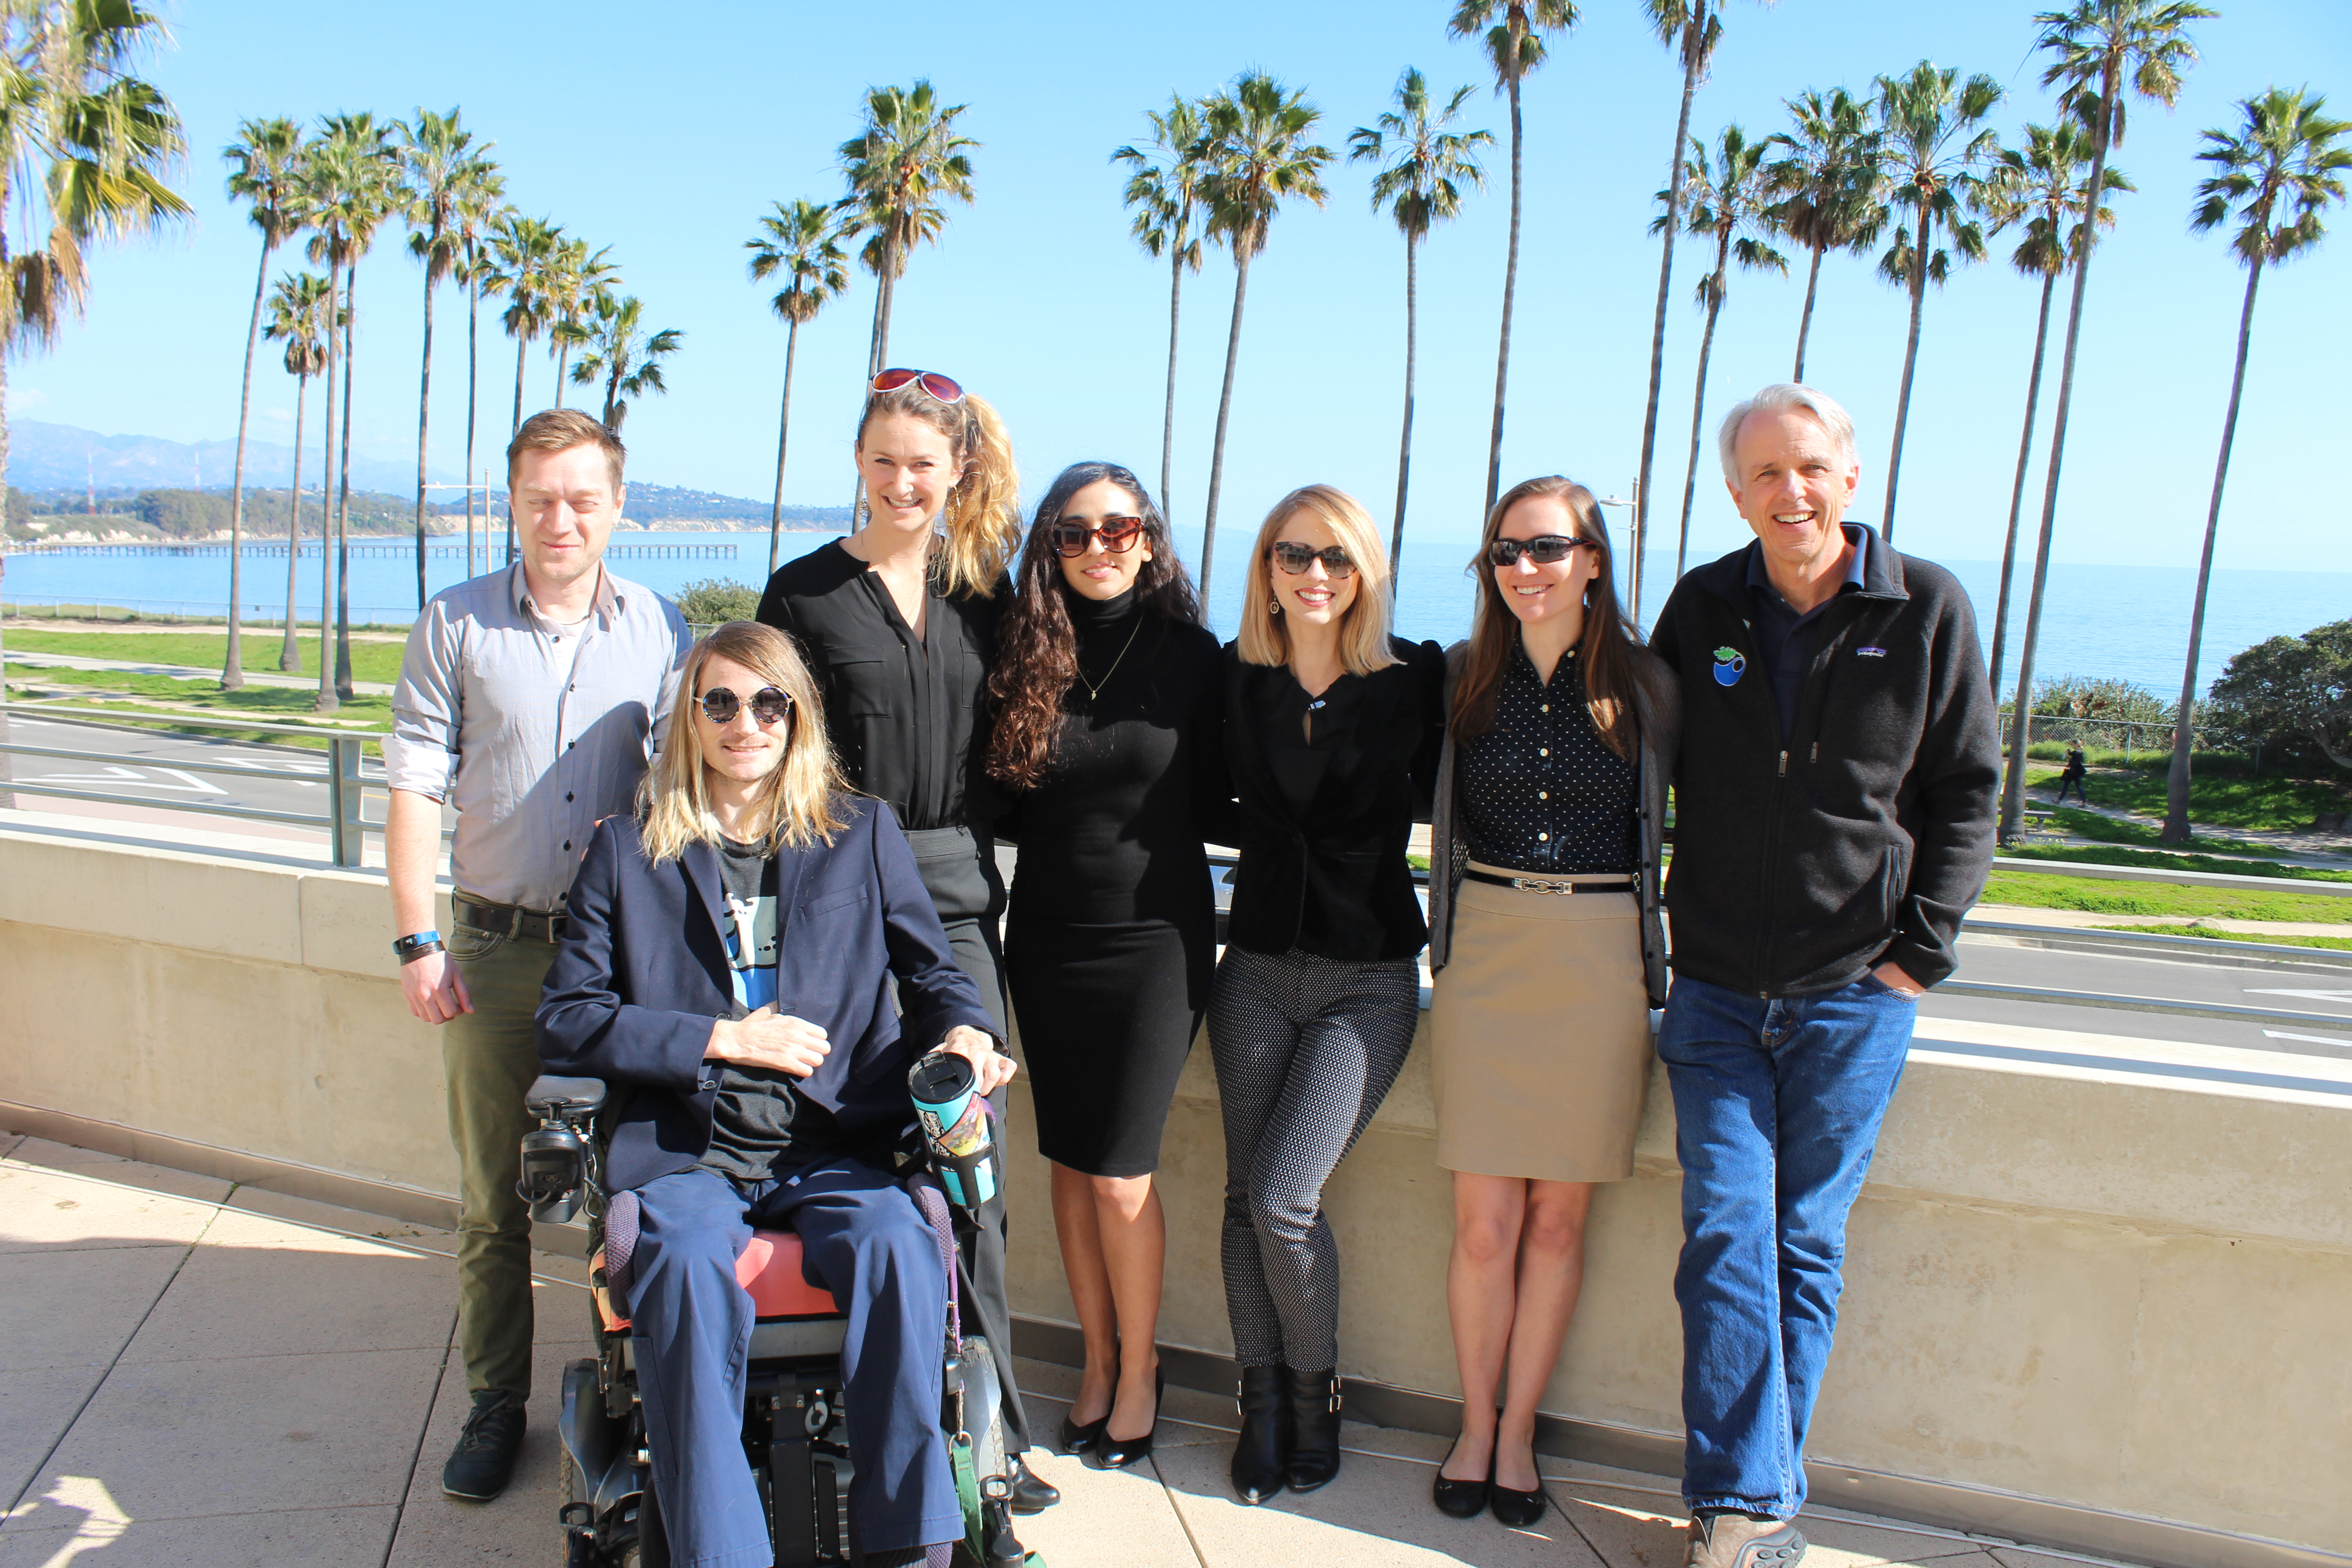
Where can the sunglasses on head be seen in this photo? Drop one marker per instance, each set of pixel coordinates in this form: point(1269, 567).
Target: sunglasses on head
point(942, 387)
point(1294, 558)
point(770, 705)
point(1543, 550)
point(1118, 534)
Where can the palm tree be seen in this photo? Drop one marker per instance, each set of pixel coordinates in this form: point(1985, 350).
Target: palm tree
point(906, 163)
point(1164, 189)
point(1422, 169)
point(2040, 187)
point(2097, 49)
point(574, 285)
point(478, 206)
point(298, 318)
point(1727, 199)
point(1515, 46)
point(1827, 182)
point(617, 350)
point(797, 240)
point(521, 250)
point(325, 173)
point(264, 163)
point(1255, 151)
point(2281, 169)
point(444, 169)
point(1692, 28)
point(1929, 175)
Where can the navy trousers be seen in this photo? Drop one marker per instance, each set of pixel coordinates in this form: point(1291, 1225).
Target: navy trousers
point(863, 1239)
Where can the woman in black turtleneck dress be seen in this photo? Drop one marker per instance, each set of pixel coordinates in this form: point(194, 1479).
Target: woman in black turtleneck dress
point(1107, 740)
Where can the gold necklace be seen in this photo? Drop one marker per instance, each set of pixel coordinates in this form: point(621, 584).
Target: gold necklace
point(1094, 688)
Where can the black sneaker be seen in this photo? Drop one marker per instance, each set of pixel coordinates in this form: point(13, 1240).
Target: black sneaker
point(484, 1459)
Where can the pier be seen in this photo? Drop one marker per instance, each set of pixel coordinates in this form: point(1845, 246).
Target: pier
point(372, 550)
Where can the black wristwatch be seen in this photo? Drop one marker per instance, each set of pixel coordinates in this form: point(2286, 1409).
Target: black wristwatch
point(409, 949)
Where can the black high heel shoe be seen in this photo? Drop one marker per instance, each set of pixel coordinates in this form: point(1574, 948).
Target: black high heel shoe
point(1076, 1438)
point(1118, 1453)
point(1460, 1500)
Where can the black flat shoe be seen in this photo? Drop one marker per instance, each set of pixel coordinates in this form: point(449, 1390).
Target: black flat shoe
point(1077, 1438)
point(1118, 1453)
point(1460, 1500)
point(1261, 1447)
point(1517, 1510)
point(1031, 1492)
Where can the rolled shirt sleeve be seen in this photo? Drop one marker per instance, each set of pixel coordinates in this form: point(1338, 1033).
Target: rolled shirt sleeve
point(420, 755)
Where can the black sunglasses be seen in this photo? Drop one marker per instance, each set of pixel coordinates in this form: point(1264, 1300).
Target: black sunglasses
point(1294, 558)
point(770, 705)
point(1543, 550)
point(1118, 534)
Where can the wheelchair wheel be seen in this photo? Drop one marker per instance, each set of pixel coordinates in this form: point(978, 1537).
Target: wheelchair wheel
point(984, 1407)
point(643, 1544)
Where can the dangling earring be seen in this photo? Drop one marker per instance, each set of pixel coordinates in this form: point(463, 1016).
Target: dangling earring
point(1274, 606)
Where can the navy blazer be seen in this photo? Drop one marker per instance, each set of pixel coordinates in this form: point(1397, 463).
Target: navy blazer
point(642, 974)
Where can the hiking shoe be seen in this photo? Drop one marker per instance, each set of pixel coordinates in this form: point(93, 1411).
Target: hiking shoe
point(1736, 1540)
point(484, 1459)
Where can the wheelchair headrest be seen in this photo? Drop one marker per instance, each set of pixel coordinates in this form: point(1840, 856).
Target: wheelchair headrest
point(550, 1096)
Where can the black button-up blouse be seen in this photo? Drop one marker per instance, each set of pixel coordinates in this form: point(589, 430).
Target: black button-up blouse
point(1541, 791)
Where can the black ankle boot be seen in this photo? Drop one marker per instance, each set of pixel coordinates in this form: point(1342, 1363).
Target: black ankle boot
point(1314, 1400)
point(1263, 1449)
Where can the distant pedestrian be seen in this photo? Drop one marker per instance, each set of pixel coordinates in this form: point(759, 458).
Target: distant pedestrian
point(2072, 774)
point(530, 699)
point(1834, 802)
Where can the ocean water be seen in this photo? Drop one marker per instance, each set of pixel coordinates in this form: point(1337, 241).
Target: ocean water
point(2127, 623)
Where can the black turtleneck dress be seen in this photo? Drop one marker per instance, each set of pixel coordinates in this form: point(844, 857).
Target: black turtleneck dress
point(1110, 935)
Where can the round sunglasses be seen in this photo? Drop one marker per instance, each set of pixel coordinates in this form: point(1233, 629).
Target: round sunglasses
point(1543, 550)
point(1294, 558)
point(1118, 534)
point(944, 388)
point(770, 705)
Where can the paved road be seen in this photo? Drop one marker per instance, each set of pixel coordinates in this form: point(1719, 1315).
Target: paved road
point(142, 767)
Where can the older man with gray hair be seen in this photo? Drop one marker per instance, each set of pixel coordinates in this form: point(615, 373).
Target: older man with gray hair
point(1834, 802)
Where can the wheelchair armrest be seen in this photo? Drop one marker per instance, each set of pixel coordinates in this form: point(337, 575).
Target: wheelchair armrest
point(550, 1096)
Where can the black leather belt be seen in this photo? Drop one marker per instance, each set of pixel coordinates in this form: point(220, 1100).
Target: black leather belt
point(507, 920)
point(1551, 884)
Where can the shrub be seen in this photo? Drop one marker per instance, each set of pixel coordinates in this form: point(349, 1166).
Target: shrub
point(716, 599)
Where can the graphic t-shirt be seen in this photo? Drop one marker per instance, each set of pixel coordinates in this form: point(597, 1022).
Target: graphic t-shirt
point(760, 1115)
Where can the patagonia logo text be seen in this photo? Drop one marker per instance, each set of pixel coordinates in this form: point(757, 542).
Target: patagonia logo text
point(1870, 653)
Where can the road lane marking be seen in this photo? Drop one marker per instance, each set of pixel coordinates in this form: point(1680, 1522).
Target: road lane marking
point(2314, 1039)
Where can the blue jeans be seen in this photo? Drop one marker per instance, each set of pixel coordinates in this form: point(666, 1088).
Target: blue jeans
point(1777, 1105)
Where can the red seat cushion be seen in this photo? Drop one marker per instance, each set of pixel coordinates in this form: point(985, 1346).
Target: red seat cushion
point(770, 1267)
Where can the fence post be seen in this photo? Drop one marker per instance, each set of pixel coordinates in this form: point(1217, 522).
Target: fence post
point(345, 832)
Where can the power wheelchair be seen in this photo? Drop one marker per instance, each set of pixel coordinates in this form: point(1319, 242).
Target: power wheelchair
point(796, 1435)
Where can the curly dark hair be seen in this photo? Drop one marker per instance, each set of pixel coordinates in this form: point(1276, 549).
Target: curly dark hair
point(1036, 646)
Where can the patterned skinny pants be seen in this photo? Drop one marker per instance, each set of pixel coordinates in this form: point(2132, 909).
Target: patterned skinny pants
point(1305, 1048)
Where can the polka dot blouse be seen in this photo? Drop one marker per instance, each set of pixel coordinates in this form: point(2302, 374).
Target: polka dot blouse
point(1541, 791)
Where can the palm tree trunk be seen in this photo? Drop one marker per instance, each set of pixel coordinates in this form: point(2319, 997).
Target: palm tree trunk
point(423, 418)
point(1225, 408)
point(289, 652)
point(343, 496)
point(7, 795)
point(1405, 442)
point(783, 436)
point(2176, 791)
point(1168, 414)
point(2012, 789)
point(559, 351)
point(508, 559)
point(328, 702)
point(233, 667)
point(889, 297)
point(2017, 489)
point(1910, 364)
point(1699, 397)
point(473, 364)
point(1694, 31)
point(1510, 283)
point(1805, 322)
point(523, 342)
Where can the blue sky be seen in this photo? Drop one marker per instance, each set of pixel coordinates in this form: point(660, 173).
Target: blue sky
point(665, 133)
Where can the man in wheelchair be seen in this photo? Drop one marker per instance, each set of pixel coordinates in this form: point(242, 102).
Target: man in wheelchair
point(729, 970)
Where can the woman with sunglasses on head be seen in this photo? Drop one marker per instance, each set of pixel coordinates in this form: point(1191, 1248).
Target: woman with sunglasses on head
point(1333, 730)
point(1109, 699)
point(898, 622)
point(1547, 955)
point(754, 884)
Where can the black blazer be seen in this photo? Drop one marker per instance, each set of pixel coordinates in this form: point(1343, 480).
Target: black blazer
point(1348, 853)
point(642, 973)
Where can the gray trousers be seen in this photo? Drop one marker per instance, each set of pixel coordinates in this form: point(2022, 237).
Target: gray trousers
point(1305, 1048)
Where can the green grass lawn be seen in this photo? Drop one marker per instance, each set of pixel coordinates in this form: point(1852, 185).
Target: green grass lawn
point(2270, 803)
point(267, 704)
point(2341, 943)
point(206, 650)
point(2084, 824)
point(2044, 891)
point(2106, 855)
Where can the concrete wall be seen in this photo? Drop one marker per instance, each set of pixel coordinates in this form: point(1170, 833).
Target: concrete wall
point(2112, 1273)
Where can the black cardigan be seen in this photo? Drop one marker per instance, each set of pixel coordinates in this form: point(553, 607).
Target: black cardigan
point(1348, 853)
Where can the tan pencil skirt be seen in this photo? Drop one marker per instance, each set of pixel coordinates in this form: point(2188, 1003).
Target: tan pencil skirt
point(1540, 1033)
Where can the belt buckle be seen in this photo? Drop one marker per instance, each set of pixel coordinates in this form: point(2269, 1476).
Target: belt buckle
point(1541, 885)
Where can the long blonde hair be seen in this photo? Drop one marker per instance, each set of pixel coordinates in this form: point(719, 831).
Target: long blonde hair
point(798, 804)
point(1364, 626)
point(980, 524)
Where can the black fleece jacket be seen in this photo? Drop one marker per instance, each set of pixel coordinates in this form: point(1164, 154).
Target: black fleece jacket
point(1866, 836)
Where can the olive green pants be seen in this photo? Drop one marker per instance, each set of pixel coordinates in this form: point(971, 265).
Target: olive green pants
point(490, 1056)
